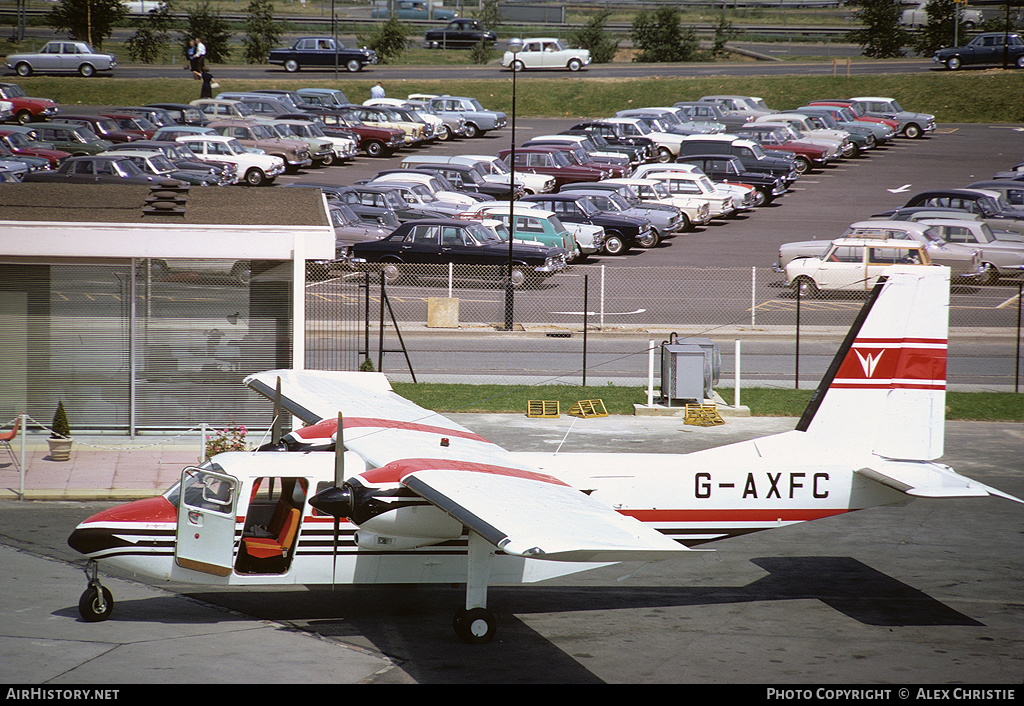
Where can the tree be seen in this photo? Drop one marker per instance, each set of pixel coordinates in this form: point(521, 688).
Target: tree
point(593, 36)
point(940, 30)
point(658, 36)
point(388, 40)
point(881, 37)
point(724, 31)
point(87, 20)
point(207, 24)
point(152, 37)
point(261, 33)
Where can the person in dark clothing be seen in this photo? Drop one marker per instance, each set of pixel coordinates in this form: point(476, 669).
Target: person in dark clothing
point(207, 90)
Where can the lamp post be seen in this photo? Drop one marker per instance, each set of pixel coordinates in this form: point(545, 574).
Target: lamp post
point(514, 46)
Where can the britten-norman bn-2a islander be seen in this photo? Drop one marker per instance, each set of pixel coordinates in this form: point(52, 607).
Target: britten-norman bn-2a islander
point(411, 497)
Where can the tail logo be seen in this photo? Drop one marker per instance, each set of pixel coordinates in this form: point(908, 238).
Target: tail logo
point(869, 362)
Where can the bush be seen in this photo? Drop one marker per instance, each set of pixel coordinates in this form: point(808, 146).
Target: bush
point(658, 36)
point(388, 40)
point(593, 36)
point(60, 428)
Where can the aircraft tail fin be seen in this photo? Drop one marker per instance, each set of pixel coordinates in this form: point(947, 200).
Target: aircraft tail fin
point(886, 386)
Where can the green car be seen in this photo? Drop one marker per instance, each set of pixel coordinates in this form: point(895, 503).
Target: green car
point(71, 138)
point(531, 226)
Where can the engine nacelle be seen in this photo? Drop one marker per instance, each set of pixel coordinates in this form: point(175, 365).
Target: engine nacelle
point(408, 527)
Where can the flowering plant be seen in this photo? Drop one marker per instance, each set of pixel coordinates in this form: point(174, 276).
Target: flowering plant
point(230, 438)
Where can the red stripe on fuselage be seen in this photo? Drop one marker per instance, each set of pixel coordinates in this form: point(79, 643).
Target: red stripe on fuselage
point(395, 471)
point(732, 515)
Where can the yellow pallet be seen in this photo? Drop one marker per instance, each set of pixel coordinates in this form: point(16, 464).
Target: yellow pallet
point(542, 409)
point(702, 415)
point(588, 408)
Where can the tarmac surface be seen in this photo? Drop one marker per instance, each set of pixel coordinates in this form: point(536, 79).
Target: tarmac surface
point(928, 593)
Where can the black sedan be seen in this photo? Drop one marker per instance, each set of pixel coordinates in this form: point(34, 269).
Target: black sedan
point(321, 52)
point(461, 33)
point(96, 170)
point(424, 248)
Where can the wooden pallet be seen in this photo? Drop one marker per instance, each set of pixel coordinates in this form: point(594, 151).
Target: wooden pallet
point(588, 408)
point(702, 415)
point(542, 409)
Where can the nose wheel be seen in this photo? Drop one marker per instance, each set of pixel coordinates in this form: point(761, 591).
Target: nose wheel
point(96, 603)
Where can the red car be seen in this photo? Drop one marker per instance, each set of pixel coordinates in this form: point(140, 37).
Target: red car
point(104, 127)
point(375, 141)
point(133, 124)
point(27, 108)
point(18, 143)
point(804, 154)
point(553, 162)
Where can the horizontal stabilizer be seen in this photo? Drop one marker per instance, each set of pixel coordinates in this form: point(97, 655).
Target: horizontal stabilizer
point(541, 520)
point(929, 480)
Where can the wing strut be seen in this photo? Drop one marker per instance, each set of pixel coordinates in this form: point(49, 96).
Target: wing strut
point(474, 623)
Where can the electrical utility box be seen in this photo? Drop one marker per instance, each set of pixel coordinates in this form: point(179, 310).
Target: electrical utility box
point(690, 368)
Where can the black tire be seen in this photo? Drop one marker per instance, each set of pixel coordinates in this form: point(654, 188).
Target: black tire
point(953, 63)
point(803, 165)
point(805, 286)
point(913, 131)
point(23, 117)
point(392, 271)
point(255, 177)
point(373, 148)
point(96, 604)
point(473, 131)
point(291, 66)
point(650, 240)
point(87, 70)
point(353, 66)
point(476, 626)
point(23, 69)
point(665, 155)
point(574, 65)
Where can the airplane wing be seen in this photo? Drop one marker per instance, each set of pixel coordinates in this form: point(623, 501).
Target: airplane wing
point(519, 509)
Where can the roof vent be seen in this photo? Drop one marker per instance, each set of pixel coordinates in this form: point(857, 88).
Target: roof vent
point(167, 199)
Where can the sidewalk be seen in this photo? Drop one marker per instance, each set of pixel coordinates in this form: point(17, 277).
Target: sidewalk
point(101, 467)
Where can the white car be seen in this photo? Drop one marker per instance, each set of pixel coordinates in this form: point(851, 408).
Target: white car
point(744, 196)
point(912, 125)
point(499, 172)
point(62, 56)
point(546, 53)
point(654, 191)
point(697, 185)
point(255, 169)
point(667, 143)
point(853, 264)
point(808, 128)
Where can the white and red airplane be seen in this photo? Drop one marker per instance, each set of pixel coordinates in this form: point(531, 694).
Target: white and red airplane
point(412, 497)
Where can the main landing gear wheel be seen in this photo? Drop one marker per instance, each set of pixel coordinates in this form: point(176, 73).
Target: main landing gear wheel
point(475, 626)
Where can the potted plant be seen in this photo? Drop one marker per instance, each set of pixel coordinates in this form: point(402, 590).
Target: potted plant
point(60, 438)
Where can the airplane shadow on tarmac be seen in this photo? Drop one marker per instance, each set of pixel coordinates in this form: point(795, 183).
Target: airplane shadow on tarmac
point(410, 624)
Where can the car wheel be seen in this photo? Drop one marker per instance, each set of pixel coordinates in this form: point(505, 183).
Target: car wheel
point(953, 63)
point(850, 151)
point(448, 135)
point(803, 165)
point(472, 130)
point(86, 70)
point(392, 272)
point(912, 131)
point(805, 286)
point(518, 66)
point(291, 66)
point(374, 148)
point(519, 277)
point(575, 64)
point(23, 69)
point(870, 142)
point(614, 244)
point(23, 117)
point(1020, 61)
point(664, 155)
point(990, 275)
point(649, 239)
point(328, 160)
point(353, 66)
point(255, 177)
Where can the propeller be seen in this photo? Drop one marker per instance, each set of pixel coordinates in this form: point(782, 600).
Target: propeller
point(336, 500)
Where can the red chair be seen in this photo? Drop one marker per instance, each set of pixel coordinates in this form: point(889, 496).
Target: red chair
point(7, 437)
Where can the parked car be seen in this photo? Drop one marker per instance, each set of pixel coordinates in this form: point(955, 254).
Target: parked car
point(674, 120)
point(479, 120)
point(103, 126)
point(184, 113)
point(414, 10)
point(380, 200)
point(136, 125)
point(612, 166)
point(261, 104)
point(19, 144)
point(992, 207)
point(323, 97)
point(805, 155)
point(466, 177)
point(295, 153)
point(254, 169)
point(652, 191)
point(666, 144)
point(95, 169)
point(224, 109)
point(184, 158)
point(695, 184)
point(1011, 191)
point(546, 53)
point(703, 111)
point(462, 33)
point(375, 141)
point(963, 260)
point(350, 229)
point(746, 107)
point(988, 49)
point(156, 164)
point(917, 16)
point(730, 170)
point(496, 171)
point(909, 123)
point(617, 134)
point(73, 138)
point(845, 119)
point(749, 153)
point(552, 162)
point(319, 146)
point(859, 111)
point(806, 126)
point(345, 143)
point(320, 53)
point(533, 224)
point(621, 232)
point(999, 258)
point(588, 152)
point(666, 220)
point(425, 247)
point(62, 56)
point(27, 109)
point(413, 133)
point(853, 264)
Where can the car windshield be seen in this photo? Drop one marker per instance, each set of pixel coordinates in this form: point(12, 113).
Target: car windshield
point(18, 141)
point(484, 234)
point(894, 106)
point(475, 103)
point(262, 132)
point(587, 206)
point(13, 91)
point(126, 168)
point(84, 134)
point(161, 163)
point(235, 146)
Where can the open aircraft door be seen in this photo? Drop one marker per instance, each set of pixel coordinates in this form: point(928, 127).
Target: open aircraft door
point(206, 521)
